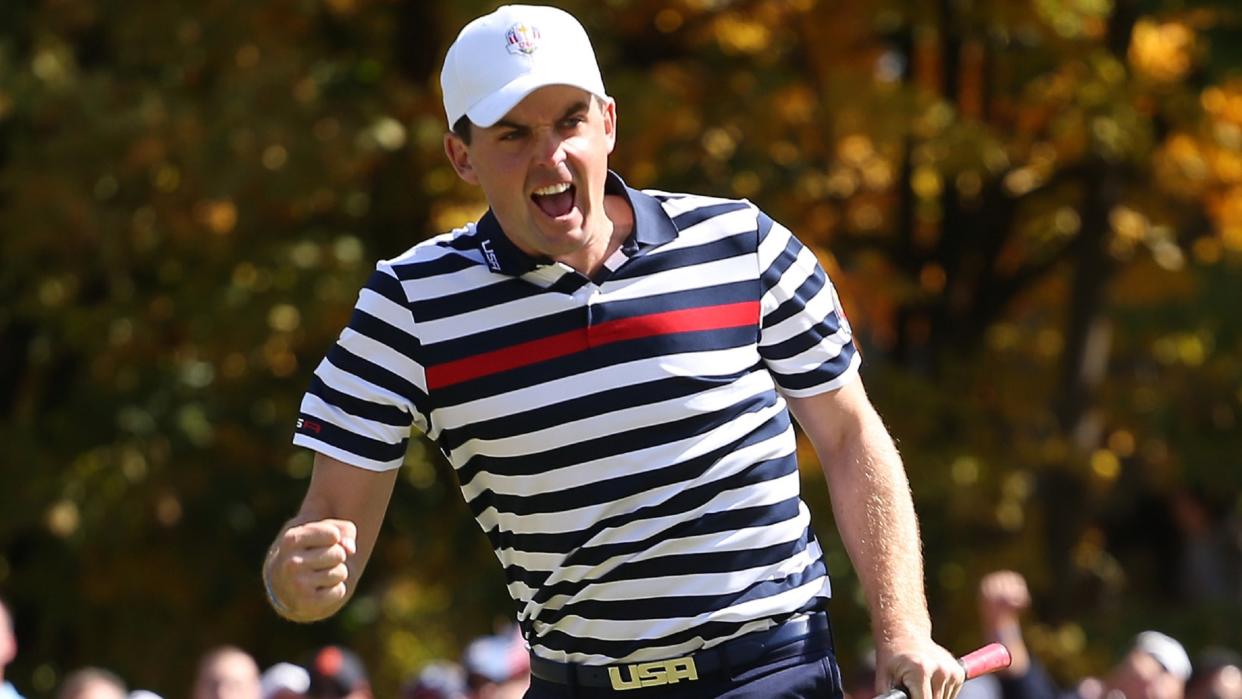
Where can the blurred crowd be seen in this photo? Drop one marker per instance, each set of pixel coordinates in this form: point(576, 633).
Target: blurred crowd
point(491, 667)
point(1154, 666)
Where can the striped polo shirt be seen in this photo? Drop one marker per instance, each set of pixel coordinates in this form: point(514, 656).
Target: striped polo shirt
point(622, 441)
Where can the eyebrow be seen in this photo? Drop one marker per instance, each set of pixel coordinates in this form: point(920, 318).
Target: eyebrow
point(574, 108)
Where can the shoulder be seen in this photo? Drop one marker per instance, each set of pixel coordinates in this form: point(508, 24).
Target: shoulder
point(449, 251)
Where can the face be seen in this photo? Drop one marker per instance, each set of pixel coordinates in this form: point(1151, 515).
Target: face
point(542, 168)
point(8, 644)
point(1141, 676)
point(99, 689)
point(228, 676)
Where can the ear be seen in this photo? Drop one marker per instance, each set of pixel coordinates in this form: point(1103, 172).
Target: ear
point(459, 156)
point(609, 112)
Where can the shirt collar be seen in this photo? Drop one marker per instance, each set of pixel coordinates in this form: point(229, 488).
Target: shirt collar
point(652, 227)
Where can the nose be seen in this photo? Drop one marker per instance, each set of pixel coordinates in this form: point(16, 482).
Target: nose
point(549, 148)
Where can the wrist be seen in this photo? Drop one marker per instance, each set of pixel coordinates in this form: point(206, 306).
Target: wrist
point(277, 605)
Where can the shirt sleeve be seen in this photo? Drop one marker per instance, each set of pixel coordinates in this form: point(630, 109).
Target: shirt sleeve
point(805, 339)
point(370, 389)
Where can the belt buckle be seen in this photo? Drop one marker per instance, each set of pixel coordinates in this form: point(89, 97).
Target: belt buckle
point(653, 674)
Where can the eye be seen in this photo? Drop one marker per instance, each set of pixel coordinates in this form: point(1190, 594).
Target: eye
point(572, 122)
point(511, 135)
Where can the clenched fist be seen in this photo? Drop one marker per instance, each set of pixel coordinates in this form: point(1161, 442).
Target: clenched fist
point(307, 569)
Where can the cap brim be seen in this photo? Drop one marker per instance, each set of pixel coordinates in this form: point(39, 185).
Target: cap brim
point(492, 108)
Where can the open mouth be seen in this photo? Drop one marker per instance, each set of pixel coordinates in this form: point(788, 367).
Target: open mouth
point(555, 200)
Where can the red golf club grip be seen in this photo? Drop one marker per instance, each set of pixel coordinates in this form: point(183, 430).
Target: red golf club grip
point(989, 658)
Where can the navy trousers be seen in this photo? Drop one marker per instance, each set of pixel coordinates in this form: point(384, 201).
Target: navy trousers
point(804, 669)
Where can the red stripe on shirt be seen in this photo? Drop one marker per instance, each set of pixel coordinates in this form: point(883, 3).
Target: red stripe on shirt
point(730, 315)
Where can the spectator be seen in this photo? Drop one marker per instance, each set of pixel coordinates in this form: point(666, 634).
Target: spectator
point(8, 651)
point(1217, 675)
point(227, 672)
point(437, 680)
point(497, 667)
point(284, 681)
point(338, 673)
point(1155, 667)
point(92, 683)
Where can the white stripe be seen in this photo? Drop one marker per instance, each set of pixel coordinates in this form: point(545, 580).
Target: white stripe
point(624, 630)
point(348, 457)
point(598, 425)
point(711, 230)
point(671, 453)
point(739, 268)
point(701, 364)
point(389, 434)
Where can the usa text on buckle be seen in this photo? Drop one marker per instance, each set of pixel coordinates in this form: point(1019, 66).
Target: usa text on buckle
point(653, 674)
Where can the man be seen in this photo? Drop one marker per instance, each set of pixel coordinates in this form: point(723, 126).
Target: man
point(611, 373)
point(497, 666)
point(92, 683)
point(284, 681)
point(337, 673)
point(227, 672)
point(8, 651)
point(1155, 667)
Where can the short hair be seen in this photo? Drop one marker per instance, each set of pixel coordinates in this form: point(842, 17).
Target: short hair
point(79, 679)
point(462, 127)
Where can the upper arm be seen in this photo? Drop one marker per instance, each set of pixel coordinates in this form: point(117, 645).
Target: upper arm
point(832, 418)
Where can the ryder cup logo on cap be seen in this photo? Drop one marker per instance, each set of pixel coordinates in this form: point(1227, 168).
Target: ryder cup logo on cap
point(522, 38)
point(499, 59)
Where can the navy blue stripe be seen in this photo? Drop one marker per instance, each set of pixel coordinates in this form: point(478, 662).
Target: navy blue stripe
point(667, 606)
point(568, 283)
point(764, 225)
point(822, 374)
point(376, 412)
point(592, 359)
point(796, 304)
point(681, 564)
point(367, 370)
point(701, 214)
point(444, 264)
point(387, 286)
point(732, 246)
point(685, 501)
point(711, 523)
point(735, 292)
point(493, 338)
point(602, 447)
point(561, 641)
point(619, 398)
point(611, 445)
point(348, 441)
point(802, 341)
point(473, 299)
point(382, 332)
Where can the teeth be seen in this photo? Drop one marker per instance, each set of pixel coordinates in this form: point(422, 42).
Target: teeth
point(554, 189)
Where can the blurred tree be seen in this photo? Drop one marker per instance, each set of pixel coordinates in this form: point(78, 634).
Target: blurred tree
point(1033, 211)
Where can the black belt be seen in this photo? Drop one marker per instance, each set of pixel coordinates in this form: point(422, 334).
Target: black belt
point(736, 653)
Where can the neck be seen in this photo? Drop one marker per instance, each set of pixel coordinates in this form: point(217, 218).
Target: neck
point(617, 225)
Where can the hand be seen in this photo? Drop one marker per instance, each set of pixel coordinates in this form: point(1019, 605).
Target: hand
point(920, 666)
point(924, 668)
point(306, 571)
point(1003, 595)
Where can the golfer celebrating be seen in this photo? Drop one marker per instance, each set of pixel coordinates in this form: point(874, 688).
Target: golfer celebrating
point(611, 373)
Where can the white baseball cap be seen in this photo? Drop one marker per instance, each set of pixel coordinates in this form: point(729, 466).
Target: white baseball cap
point(500, 58)
point(1166, 650)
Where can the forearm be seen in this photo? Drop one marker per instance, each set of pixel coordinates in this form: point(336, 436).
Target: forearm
point(875, 514)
